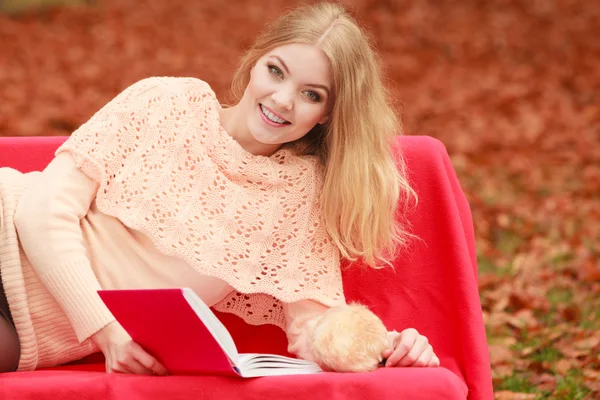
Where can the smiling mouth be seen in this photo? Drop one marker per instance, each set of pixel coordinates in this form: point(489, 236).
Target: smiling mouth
point(272, 117)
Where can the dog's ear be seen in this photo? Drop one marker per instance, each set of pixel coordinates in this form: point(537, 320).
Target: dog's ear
point(348, 339)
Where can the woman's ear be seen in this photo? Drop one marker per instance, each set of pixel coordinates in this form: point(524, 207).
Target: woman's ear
point(324, 120)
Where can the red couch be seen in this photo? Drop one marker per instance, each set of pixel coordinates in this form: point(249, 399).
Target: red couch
point(433, 289)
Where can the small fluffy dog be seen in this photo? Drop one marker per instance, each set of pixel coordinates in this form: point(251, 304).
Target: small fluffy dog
point(348, 339)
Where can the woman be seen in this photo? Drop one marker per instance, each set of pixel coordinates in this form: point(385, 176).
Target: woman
point(251, 206)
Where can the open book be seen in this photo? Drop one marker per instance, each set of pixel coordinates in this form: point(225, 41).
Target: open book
point(180, 330)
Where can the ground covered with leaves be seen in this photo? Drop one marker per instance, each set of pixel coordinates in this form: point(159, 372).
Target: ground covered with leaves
point(512, 88)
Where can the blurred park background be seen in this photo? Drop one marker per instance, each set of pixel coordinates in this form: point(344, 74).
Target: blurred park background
point(511, 87)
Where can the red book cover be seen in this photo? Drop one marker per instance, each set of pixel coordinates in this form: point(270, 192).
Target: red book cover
point(166, 326)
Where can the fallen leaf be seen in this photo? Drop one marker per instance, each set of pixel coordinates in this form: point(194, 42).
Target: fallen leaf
point(587, 344)
point(499, 354)
point(590, 271)
point(556, 332)
point(593, 374)
point(497, 319)
point(571, 313)
point(506, 341)
point(544, 381)
point(501, 304)
point(520, 300)
point(594, 387)
point(563, 366)
point(507, 395)
point(502, 371)
point(527, 351)
point(523, 319)
point(570, 352)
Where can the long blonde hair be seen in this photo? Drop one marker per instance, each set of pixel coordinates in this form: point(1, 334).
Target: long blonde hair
point(364, 182)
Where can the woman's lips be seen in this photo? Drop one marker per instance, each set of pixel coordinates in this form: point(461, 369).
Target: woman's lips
point(267, 120)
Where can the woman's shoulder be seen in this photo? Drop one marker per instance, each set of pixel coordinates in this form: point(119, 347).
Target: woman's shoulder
point(174, 86)
point(164, 95)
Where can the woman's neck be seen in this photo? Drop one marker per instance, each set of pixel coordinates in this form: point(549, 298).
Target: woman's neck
point(234, 124)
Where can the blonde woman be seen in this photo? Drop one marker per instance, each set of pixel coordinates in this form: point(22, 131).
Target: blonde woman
point(252, 206)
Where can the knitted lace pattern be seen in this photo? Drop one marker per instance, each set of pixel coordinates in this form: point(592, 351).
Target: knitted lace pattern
point(167, 168)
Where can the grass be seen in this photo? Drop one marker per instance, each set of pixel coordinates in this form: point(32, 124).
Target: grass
point(558, 295)
point(506, 241)
point(590, 316)
point(544, 355)
point(570, 388)
point(485, 265)
point(517, 382)
point(560, 259)
point(526, 340)
point(548, 354)
point(567, 388)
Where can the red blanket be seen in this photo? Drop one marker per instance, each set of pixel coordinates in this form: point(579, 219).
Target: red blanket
point(433, 289)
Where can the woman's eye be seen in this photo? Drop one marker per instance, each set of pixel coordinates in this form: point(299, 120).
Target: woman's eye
point(276, 71)
point(314, 96)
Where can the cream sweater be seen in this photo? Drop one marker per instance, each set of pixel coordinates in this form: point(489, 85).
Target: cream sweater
point(59, 203)
point(70, 248)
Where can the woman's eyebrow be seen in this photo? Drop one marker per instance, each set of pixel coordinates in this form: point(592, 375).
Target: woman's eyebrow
point(282, 63)
point(315, 85)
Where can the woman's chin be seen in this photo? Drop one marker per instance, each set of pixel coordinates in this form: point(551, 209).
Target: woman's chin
point(263, 138)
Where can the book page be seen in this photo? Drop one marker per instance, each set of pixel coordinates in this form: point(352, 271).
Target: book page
point(212, 323)
point(255, 365)
point(255, 373)
point(250, 358)
point(274, 367)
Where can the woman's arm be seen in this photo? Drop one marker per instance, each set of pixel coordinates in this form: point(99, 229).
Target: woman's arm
point(48, 224)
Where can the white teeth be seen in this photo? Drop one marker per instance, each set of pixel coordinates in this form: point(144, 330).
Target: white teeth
point(272, 117)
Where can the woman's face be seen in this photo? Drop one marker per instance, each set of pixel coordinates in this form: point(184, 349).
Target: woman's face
point(290, 91)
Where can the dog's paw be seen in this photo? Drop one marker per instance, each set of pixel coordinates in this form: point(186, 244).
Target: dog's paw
point(348, 339)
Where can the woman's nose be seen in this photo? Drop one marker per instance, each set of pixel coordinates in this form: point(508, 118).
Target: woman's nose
point(283, 99)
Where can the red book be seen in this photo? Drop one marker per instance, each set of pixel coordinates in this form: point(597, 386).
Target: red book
point(180, 330)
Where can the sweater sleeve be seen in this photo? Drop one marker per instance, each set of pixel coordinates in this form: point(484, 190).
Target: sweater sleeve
point(300, 316)
point(48, 224)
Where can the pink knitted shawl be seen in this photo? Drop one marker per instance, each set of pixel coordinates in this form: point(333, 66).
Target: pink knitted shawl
point(167, 168)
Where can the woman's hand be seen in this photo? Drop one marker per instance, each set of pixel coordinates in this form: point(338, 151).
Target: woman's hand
point(410, 349)
point(124, 355)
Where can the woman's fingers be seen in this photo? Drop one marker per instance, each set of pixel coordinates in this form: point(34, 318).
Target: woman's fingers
point(127, 365)
point(435, 361)
point(425, 358)
point(393, 338)
point(410, 349)
point(148, 362)
point(134, 367)
point(420, 345)
point(404, 343)
point(133, 359)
